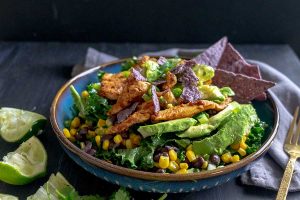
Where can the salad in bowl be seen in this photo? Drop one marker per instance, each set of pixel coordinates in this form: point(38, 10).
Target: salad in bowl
point(172, 115)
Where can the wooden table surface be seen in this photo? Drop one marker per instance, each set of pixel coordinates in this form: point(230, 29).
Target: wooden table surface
point(31, 74)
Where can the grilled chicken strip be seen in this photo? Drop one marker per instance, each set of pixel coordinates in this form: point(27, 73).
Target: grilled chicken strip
point(132, 92)
point(142, 114)
point(112, 85)
point(171, 81)
point(188, 110)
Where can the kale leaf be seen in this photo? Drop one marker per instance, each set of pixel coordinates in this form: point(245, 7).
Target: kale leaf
point(254, 140)
point(125, 66)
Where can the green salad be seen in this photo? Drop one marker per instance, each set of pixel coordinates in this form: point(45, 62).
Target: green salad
point(172, 115)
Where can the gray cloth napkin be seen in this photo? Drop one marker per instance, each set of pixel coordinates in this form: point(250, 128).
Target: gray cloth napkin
point(268, 171)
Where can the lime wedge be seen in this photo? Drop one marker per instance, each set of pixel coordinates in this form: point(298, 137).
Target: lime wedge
point(52, 188)
point(18, 125)
point(8, 197)
point(25, 164)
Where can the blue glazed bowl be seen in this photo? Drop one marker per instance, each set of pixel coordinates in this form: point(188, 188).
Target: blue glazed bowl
point(148, 181)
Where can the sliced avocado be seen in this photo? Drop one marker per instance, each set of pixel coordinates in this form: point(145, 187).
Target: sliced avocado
point(183, 142)
point(204, 72)
point(211, 93)
point(166, 127)
point(231, 132)
point(212, 124)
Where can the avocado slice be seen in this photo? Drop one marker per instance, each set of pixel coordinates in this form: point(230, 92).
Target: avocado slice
point(213, 123)
point(231, 132)
point(168, 126)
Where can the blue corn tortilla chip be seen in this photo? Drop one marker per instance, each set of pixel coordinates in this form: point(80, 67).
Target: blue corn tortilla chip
point(246, 88)
point(183, 66)
point(161, 60)
point(124, 114)
point(189, 77)
point(155, 99)
point(190, 93)
point(137, 75)
point(213, 54)
point(159, 82)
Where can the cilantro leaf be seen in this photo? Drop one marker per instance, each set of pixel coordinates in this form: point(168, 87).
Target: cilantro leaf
point(121, 194)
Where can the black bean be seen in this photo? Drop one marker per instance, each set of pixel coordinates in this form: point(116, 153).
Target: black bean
point(156, 157)
point(161, 171)
point(198, 162)
point(214, 159)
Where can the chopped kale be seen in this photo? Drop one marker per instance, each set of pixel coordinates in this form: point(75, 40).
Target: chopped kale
point(125, 66)
point(254, 140)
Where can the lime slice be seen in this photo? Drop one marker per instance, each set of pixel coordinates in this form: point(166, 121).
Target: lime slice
point(52, 188)
point(18, 125)
point(8, 197)
point(25, 164)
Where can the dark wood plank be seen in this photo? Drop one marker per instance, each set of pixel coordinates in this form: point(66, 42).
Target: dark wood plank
point(31, 73)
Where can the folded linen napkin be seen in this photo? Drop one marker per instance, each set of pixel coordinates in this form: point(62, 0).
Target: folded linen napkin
point(268, 171)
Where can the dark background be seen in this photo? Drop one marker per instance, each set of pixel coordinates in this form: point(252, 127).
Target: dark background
point(184, 21)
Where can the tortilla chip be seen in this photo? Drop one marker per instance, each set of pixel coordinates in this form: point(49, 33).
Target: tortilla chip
point(246, 88)
point(124, 114)
point(213, 54)
point(155, 99)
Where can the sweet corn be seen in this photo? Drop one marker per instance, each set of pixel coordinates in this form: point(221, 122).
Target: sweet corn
point(169, 105)
point(82, 145)
point(172, 155)
point(163, 162)
point(75, 122)
point(184, 165)
point(244, 138)
point(73, 131)
point(181, 171)
point(190, 147)
point(243, 145)
point(235, 158)
point(235, 146)
point(67, 133)
point(173, 166)
point(72, 139)
point(99, 131)
point(226, 157)
point(84, 94)
point(98, 140)
point(242, 152)
point(204, 165)
point(128, 144)
point(135, 139)
point(105, 145)
point(190, 155)
point(108, 122)
point(118, 139)
point(101, 123)
point(91, 133)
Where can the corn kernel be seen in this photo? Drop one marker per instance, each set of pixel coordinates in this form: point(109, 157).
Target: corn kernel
point(123, 142)
point(181, 171)
point(190, 147)
point(190, 155)
point(108, 122)
point(82, 145)
point(101, 123)
point(73, 131)
point(226, 157)
point(105, 145)
point(173, 155)
point(91, 133)
point(204, 165)
point(75, 122)
point(156, 164)
point(164, 162)
point(235, 146)
point(173, 166)
point(242, 152)
point(243, 145)
point(98, 140)
point(99, 131)
point(67, 133)
point(84, 94)
point(235, 158)
point(135, 139)
point(128, 144)
point(169, 105)
point(244, 138)
point(118, 139)
point(184, 165)
point(72, 139)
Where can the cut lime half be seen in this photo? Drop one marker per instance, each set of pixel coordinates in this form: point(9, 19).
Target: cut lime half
point(52, 188)
point(25, 164)
point(8, 197)
point(18, 125)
